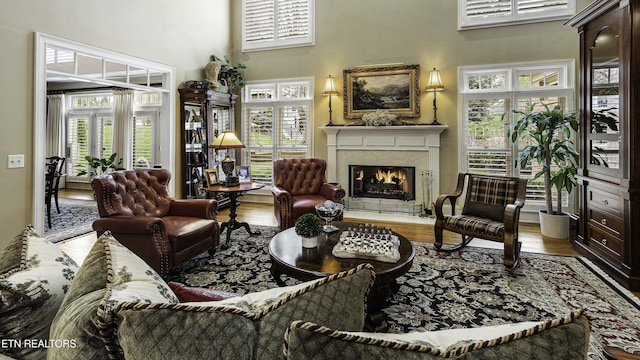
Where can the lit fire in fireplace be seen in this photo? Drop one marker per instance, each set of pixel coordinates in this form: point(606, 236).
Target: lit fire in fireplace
point(390, 176)
point(382, 182)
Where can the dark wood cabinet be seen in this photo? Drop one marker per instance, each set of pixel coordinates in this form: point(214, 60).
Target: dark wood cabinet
point(609, 187)
point(204, 114)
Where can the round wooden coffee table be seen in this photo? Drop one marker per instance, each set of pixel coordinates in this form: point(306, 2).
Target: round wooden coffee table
point(288, 257)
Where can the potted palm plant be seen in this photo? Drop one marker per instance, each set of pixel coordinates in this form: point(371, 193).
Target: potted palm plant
point(548, 135)
point(309, 227)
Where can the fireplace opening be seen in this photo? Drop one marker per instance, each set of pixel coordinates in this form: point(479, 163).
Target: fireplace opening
point(382, 182)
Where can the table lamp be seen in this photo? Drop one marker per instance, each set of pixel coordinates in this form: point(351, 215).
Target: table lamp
point(435, 85)
point(228, 140)
point(330, 90)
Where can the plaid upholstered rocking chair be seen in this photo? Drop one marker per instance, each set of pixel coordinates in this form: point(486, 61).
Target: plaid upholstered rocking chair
point(491, 211)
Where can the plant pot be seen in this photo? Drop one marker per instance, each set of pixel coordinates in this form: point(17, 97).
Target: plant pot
point(554, 225)
point(309, 242)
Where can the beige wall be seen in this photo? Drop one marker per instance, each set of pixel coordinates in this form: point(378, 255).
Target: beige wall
point(180, 33)
point(359, 32)
point(184, 33)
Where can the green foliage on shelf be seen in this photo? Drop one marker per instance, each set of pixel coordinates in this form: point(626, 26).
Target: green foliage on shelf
point(230, 75)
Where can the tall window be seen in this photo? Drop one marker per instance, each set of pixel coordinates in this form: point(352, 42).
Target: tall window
point(276, 122)
point(489, 96)
point(269, 24)
point(90, 129)
point(486, 13)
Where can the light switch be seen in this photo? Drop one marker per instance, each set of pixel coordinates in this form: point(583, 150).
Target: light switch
point(16, 161)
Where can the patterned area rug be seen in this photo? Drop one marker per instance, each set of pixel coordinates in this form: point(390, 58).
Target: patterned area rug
point(469, 288)
point(74, 219)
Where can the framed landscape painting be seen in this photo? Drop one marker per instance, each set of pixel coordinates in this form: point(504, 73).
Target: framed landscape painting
point(395, 89)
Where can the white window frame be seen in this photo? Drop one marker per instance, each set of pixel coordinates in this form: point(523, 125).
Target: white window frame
point(275, 102)
point(513, 92)
point(275, 42)
point(94, 112)
point(513, 16)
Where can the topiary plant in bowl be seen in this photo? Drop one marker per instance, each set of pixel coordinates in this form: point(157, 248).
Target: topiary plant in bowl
point(309, 226)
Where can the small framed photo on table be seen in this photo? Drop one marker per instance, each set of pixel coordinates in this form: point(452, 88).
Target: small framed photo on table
point(244, 174)
point(212, 177)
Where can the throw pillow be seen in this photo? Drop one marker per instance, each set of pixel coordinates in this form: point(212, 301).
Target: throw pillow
point(247, 327)
point(196, 294)
point(35, 275)
point(110, 274)
point(562, 338)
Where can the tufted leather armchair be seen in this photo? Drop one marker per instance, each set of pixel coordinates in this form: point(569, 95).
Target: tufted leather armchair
point(298, 185)
point(136, 207)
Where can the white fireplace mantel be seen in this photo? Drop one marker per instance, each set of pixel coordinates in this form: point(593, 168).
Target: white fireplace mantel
point(385, 138)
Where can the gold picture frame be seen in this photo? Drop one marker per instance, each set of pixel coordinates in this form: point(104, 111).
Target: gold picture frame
point(395, 89)
point(211, 175)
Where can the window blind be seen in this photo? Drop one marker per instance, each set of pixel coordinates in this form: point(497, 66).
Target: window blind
point(277, 23)
point(276, 121)
point(483, 13)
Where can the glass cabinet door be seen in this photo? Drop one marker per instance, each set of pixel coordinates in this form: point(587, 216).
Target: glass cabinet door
point(195, 149)
point(604, 137)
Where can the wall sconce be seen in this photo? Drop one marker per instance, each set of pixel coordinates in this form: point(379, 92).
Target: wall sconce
point(228, 140)
point(434, 84)
point(330, 90)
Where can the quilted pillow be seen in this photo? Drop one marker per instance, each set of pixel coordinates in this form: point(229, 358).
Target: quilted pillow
point(247, 327)
point(562, 338)
point(35, 275)
point(110, 274)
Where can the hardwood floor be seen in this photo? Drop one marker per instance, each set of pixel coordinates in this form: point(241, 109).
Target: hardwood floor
point(262, 214)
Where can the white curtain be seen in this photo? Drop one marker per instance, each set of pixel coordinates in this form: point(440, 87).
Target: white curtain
point(56, 134)
point(122, 125)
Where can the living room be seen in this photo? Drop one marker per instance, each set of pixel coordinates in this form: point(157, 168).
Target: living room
point(348, 35)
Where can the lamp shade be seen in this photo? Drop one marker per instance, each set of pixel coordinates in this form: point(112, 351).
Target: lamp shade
point(329, 87)
point(226, 140)
point(435, 82)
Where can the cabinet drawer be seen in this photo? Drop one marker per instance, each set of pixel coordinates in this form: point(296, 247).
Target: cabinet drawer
point(605, 200)
point(611, 223)
point(605, 243)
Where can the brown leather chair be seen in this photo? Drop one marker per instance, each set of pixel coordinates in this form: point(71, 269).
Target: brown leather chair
point(136, 207)
point(491, 211)
point(298, 185)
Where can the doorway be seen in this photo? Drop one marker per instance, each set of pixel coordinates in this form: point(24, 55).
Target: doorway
point(93, 65)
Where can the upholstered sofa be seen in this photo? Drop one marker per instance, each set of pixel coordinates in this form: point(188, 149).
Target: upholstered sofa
point(117, 306)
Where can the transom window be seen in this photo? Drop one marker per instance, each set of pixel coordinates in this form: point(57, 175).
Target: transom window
point(270, 24)
point(487, 13)
point(277, 120)
point(489, 96)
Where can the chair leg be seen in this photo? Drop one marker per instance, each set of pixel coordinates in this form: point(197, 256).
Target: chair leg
point(465, 241)
point(57, 206)
point(512, 253)
point(49, 214)
point(438, 235)
point(211, 251)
